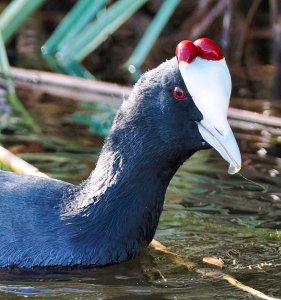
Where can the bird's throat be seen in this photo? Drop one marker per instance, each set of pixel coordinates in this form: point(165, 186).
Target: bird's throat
point(125, 193)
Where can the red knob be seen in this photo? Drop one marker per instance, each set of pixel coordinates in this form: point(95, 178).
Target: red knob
point(208, 49)
point(186, 51)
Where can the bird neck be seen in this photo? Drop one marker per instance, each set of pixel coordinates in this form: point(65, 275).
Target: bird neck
point(119, 205)
point(130, 182)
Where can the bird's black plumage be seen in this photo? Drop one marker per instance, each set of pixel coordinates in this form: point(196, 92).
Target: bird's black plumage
point(107, 218)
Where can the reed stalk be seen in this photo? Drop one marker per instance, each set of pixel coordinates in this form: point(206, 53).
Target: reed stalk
point(15, 14)
point(11, 92)
point(150, 36)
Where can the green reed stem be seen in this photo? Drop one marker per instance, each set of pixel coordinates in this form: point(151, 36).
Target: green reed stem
point(152, 33)
point(72, 24)
point(11, 92)
point(95, 33)
point(15, 14)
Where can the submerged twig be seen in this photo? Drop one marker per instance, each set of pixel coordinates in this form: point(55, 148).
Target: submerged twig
point(209, 273)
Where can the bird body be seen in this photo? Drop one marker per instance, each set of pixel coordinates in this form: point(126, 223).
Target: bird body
point(107, 218)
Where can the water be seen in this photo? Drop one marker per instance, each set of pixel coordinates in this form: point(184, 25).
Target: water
point(207, 213)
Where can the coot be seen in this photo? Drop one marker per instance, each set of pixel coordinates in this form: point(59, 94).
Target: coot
point(173, 111)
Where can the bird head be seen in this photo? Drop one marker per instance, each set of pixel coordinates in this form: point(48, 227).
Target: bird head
point(206, 76)
point(181, 106)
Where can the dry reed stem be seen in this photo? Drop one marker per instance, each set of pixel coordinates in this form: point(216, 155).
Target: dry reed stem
point(98, 91)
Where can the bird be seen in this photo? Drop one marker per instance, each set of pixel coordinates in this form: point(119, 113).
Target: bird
point(173, 111)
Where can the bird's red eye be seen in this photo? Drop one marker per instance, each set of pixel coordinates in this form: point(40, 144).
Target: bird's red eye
point(178, 93)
